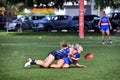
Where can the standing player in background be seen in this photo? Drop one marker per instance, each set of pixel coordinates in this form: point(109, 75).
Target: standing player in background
point(105, 27)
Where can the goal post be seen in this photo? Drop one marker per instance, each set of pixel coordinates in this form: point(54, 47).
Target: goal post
point(81, 19)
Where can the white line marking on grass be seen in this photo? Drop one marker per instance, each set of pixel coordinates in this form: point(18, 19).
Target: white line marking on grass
point(52, 45)
point(21, 44)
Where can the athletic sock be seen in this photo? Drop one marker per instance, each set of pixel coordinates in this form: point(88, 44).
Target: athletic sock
point(33, 62)
point(103, 42)
point(110, 41)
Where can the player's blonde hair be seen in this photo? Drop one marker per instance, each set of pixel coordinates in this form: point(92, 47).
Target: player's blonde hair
point(64, 44)
point(77, 46)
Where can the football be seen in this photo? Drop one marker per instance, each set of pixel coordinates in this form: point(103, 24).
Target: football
point(88, 56)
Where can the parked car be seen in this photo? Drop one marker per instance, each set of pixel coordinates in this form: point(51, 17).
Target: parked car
point(53, 22)
point(24, 21)
point(88, 22)
point(3, 21)
point(114, 19)
point(94, 24)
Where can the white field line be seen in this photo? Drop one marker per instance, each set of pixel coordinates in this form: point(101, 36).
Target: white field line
point(26, 44)
point(54, 45)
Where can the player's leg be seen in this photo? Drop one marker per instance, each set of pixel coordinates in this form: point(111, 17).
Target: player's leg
point(47, 58)
point(108, 34)
point(32, 62)
point(66, 66)
point(103, 37)
point(67, 62)
point(47, 62)
point(59, 64)
point(28, 64)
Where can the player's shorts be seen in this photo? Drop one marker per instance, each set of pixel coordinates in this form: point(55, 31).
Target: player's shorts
point(55, 54)
point(104, 27)
point(67, 60)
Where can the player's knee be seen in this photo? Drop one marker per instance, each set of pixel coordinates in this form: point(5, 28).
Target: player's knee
point(46, 65)
point(58, 66)
point(66, 66)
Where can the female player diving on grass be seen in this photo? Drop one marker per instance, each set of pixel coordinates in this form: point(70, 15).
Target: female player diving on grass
point(70, 59)
point(63, 53)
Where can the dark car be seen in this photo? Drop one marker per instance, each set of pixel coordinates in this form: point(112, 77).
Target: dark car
point(114, 19)
point(94, 24)
point(53, 22)
point(88, 22)
point(3, 20)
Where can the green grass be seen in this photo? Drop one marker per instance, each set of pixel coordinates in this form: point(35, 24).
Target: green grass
point(15, 48)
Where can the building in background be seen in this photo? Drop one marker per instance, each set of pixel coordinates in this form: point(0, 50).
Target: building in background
point(73, 10)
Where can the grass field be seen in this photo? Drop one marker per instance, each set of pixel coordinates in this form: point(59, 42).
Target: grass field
point(16, 48)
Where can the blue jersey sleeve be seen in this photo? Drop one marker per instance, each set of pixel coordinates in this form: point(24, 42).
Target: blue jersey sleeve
point(77, 55)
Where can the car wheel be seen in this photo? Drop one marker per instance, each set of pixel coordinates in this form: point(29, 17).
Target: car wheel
point(85, 28)
point(73, 30)
point(97, 29)
point(17, 27)
point(48, 29)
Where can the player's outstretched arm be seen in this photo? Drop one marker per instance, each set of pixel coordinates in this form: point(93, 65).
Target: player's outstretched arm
point(78, 65)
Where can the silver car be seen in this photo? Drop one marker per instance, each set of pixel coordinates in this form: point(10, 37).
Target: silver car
point(24, 21)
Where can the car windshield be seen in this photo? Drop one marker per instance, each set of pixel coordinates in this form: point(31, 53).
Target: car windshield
point(22, 18)
point(75, 18)
point(86, 17)
point(90, 17)
point(30, 17)
point(48, 18)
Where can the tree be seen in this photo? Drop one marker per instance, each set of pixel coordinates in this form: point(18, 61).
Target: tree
point(40, 3)
point(30, 3)
point(107, 3)
point(54, 3)
point(59, 3)
point(2, 3)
